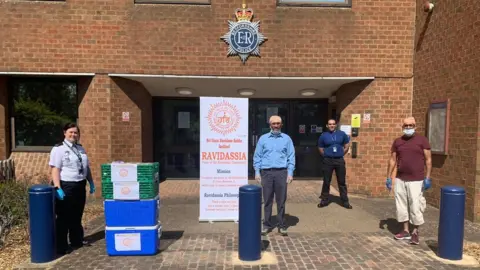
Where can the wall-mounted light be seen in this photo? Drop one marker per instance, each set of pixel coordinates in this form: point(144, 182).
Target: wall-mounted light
point(308, 92)
point(184, 91)
point(246, 92)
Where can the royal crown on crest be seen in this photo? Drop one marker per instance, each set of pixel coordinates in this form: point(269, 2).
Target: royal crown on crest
point(243, 36)
point(244, 13)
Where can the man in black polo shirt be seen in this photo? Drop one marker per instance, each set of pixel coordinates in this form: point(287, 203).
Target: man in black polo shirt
point(333, 145)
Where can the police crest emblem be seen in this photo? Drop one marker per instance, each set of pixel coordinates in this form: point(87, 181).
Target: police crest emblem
point(243, 37)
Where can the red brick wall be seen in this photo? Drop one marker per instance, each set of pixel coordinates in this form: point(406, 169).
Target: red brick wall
point(103, 133)
point(95, 120)
point(31, 166)
point(4, 119)
point(446, 66)
point(374, 38)
point(476, 207)
point(131, 140)
point(388, 101)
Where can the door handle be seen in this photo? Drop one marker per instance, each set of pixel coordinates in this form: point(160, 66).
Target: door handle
point(254, 140)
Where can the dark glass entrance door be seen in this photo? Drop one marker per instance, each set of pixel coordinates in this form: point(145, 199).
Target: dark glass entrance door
point(303, 120)
point(309, 120)
point(177, 137)
point(177, 133)
point(260, 112)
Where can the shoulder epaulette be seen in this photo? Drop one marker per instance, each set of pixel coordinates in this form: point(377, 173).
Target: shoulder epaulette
point(58, 144)
point(79, 144)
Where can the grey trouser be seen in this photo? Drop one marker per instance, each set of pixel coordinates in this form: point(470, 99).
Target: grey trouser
point(274, 182)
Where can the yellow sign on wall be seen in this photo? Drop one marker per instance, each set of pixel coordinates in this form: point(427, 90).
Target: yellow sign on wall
point(356, 120)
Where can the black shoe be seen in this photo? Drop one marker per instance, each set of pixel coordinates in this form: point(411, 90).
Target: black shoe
point(76, 245)
point(62, 252)
point(323, 203)
point(347, 205)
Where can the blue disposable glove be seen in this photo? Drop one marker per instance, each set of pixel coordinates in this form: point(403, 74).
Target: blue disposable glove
point(427, 183)
point(388, 183)
point(60, 194)
point(92, 188)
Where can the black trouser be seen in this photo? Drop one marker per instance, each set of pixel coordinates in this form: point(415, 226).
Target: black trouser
point(69, 214)
point(274, 182)
point(329, 165)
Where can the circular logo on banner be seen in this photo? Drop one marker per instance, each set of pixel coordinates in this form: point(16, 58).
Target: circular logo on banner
point(123, 172)
point(223, 118)
point(244, 38)
point(125, 190)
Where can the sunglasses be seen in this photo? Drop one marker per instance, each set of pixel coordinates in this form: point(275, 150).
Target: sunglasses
point(409, 126)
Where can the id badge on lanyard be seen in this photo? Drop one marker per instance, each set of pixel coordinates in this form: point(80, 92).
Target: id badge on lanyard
point(334, 146)
point(80, 170)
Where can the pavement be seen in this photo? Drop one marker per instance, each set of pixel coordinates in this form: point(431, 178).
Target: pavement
point(327, 238)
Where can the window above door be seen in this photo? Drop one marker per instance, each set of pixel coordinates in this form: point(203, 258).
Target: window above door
point(324, 3)
point(181, 2)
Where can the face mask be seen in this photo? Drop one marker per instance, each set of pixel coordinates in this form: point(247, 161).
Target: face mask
point(408, 131)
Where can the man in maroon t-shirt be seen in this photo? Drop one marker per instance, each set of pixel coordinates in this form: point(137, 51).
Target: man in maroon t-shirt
point(411, 153)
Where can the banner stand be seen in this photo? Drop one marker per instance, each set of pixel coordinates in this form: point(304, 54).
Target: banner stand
point(223, 157)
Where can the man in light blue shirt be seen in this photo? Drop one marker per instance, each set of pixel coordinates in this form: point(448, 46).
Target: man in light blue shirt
point(274, 163)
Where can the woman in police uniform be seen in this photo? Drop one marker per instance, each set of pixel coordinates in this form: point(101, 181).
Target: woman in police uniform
point(70, 165)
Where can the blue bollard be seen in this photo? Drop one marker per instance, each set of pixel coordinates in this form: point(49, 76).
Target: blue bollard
point(249, 223)
point(42, 223)
point(451, 224)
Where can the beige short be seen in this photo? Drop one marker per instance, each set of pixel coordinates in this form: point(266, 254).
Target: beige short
point(410, 201)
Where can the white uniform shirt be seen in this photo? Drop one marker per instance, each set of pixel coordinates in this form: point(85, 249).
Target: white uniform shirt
point(66, 158)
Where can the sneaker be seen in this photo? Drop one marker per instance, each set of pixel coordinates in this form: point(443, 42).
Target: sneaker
point(283, 231)
point(265, 231)
point(402, 236)
point(415, 240)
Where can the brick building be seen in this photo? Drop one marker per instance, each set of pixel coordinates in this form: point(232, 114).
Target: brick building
point(126, 70)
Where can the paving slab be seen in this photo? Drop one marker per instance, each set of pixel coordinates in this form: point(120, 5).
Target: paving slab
point(326, 238)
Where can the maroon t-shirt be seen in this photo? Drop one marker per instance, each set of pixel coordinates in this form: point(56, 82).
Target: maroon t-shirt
point(410, 157)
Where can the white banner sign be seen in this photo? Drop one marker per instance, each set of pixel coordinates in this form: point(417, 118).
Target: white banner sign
point(223, 156)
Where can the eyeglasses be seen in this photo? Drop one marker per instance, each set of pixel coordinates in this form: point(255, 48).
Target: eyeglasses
point(276, 124)
point(409, 126)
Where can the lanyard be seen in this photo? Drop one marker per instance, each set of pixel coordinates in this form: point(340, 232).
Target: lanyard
point(334, 138)
point(74, 151)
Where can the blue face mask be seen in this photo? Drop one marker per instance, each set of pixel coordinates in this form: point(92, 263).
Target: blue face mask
point(408, 132)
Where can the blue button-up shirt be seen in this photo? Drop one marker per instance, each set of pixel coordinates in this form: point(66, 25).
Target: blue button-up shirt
point(330, 141)
point(274, 152)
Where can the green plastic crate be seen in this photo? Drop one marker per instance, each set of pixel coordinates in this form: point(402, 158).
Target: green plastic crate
point(146, 172)
point(148, 190)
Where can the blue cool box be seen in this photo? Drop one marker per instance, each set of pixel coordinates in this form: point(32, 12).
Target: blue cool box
point(134, 241)
point(131, 213)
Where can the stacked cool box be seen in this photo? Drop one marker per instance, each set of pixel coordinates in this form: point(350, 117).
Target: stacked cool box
point(131, 207)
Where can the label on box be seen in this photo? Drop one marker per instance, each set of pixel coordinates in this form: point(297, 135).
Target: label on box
point(123, 172)
point(126, 190)
point(128, 242)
